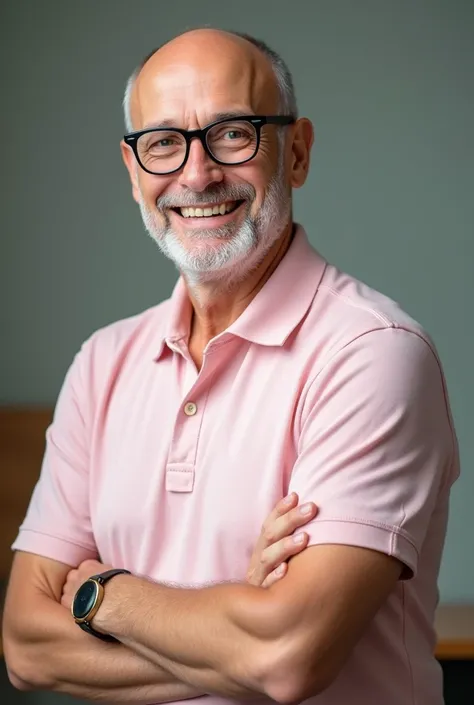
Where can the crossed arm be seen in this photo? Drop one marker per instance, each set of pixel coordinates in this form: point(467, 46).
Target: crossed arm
point(238, 640)
point(234, 640)
point(45, 650)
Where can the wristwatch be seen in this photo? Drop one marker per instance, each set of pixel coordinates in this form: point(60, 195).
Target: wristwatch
point(88, 599)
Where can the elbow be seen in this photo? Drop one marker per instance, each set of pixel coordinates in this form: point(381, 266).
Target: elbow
point(23, 672)
point(16, 671)
point(290, 676)
point(290, 689)
point(285, 663)
point(17, 682)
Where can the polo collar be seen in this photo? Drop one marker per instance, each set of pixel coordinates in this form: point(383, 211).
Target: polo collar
point(276, 310)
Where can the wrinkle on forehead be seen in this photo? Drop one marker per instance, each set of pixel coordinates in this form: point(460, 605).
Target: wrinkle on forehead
point(203, 72)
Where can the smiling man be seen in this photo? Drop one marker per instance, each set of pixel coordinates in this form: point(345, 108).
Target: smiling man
point(267, 371)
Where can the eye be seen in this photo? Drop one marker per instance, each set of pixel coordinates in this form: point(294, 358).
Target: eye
point(160, 142)
point(234, 134)
point(164, 142)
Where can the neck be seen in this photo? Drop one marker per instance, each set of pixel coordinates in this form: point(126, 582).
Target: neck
point(216, 305)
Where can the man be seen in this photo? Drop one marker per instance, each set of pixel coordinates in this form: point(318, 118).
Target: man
point(267, 372)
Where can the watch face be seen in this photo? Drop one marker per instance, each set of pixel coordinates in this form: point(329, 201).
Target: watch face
point(85, 599)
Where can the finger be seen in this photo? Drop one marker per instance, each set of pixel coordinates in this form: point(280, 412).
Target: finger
point(282, 508)
point(285, 504)
point(280, 552)
point(275, 575)
point(70, 578)
point(286, 524)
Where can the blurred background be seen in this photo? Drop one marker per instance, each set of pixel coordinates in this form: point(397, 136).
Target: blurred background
point(390, 198)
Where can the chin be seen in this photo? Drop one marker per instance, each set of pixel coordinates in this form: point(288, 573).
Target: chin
point(206, 252)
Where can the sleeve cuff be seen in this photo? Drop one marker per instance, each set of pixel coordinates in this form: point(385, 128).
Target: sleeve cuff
point(357, 532)
point(57, 549)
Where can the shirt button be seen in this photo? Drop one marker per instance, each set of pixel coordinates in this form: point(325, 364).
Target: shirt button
point(190, 408)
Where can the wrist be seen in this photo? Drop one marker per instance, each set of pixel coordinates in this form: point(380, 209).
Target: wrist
point(88, 601)
point(110, 613)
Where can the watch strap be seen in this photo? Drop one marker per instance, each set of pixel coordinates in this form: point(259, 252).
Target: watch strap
point(107, 574)
point(90, 630)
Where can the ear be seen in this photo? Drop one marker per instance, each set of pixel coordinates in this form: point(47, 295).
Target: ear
point(303, 138)
point(131, 164)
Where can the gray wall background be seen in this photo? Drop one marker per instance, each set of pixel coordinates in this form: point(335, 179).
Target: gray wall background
point(389, 86)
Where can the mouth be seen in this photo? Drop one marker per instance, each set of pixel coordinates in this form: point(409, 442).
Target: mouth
point(214, 211)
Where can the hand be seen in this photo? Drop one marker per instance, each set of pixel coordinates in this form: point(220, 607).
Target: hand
point(79, 575)
point(278, 542)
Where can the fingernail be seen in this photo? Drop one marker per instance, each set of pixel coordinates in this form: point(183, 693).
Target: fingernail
point(289, 499)
point(298, 538)
point(306, 509)
point(280, 569)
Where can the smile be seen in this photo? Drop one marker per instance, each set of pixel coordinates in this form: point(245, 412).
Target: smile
point(208, 211)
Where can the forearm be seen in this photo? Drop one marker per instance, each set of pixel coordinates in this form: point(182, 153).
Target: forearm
point(220, 639)
point(49, 652)
point(208, 680)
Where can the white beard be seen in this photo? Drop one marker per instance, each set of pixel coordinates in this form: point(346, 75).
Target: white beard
point(242, 248)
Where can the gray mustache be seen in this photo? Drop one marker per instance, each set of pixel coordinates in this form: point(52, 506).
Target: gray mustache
point(211, 196)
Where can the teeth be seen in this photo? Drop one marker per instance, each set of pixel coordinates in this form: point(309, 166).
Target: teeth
point(220, 209)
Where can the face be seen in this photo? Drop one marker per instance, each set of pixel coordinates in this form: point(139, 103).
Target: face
point(251, 202)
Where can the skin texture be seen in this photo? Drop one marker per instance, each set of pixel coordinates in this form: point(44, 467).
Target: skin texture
point(188, 83)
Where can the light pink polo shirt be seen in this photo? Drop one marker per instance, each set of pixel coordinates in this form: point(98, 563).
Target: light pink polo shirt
point(322, 386)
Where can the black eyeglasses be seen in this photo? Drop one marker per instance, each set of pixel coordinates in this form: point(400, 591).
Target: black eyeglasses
point(231, 141)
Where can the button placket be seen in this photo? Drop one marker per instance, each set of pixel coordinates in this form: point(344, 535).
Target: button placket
point(180, 470)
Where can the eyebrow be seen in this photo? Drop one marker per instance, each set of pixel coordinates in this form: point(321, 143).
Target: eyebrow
point(228, 115)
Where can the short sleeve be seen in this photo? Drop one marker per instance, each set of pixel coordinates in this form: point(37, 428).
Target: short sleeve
point(57, 523)
point(376, 445)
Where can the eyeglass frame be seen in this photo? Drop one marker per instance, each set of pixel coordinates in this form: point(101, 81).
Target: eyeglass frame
point(258, 121)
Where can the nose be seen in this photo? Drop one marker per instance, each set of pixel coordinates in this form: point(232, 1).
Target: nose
point(200, 170)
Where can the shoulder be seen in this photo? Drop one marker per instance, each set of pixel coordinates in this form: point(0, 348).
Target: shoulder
point(376, 384)
point(347, 314)
point(368, 350)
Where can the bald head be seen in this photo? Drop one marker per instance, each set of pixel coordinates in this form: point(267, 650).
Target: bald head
point(214, 60)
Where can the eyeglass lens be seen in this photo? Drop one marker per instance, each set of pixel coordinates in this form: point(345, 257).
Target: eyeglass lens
point(229, 142)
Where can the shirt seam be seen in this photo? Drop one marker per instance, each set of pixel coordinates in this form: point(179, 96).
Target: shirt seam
point(392, 529)
point(198, 436)
point(433, 352)
point(333, 354)
point(387, 321)
point(391, 325)
point(58, 538)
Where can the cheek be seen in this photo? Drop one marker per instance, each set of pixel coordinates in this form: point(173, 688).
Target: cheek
point(152, 187)
point(258, 174)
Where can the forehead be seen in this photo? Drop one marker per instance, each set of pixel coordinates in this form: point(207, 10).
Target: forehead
point(189, 90)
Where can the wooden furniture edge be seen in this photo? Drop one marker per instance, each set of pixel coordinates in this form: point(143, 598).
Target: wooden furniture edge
point(455, 650)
